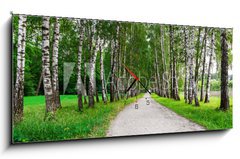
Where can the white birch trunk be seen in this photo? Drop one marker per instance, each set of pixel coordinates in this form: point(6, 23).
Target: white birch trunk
point(164, 77)
point(190, 89)
point(92, 68)
point(55, 81)
point(186, 36)
point(157, 70)
point(207, 96)
point(47, 81)
point(203, 63)
point(104, 98)
point(79, 66)
point(19, 85)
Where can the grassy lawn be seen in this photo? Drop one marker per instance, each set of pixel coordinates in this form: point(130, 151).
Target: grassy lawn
point(207, 115)
point(69, 123)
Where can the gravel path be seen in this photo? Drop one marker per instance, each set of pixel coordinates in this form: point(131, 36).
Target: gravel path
point(149, 119)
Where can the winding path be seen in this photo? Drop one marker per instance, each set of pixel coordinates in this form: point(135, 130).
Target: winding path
point(149, 119)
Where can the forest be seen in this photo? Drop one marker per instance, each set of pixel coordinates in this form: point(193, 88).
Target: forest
point(71, 75)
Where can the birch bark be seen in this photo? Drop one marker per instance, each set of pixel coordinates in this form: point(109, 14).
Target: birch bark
point(47, 81)
point(55, 81)
point(19, 85)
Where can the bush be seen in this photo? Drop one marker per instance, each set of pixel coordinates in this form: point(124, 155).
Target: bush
point(215, 85)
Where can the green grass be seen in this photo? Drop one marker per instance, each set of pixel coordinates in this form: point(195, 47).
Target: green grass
point(208, 114)
point(69, 123)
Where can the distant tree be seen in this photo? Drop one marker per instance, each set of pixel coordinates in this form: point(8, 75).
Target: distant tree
point(39, 84)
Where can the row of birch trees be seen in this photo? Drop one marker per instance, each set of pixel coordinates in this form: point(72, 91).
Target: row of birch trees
point(161, 55)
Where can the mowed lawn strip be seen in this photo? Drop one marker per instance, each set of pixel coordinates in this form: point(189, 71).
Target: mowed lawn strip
point(207, 114)
point(69, 124)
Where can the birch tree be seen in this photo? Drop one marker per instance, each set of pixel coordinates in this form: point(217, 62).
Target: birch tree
point(47, 81)
point(203, 63)
point(198, 55)
point(195, 79)
point(92, 68)
point(207, 95)
point(157, 69)
point(171, 61)
point(55, 81)
point(117, 64)
point(175, 79)
point(104, 97)
point(79, 66)
point(112, 71)
point(85, 80)
point(164, 77)
point(224, 105)
point(190, 88)
point(19, 85)
point(185, 49)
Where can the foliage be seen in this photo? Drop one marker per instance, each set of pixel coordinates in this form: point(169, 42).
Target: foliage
point(136, 45)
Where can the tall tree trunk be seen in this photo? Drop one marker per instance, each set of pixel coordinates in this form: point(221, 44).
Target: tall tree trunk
point(112, 71)
point(186, 36)
point(79, 66)
point(203, 63)
point(224, 105)
point(104, 98)
point(195, 94)
point(124, 61)
point(171, 62)
point(55, 82)
point(197, 64)
point(207, 96)
point(164, 77)
point(19, 85)
point(92, 70)
point(191, 78)
point(195, 82)
point(175, 80)
point(157, 70)
point(116, 70)
point(47, 81)
point(85, 80)
point(88, 30)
